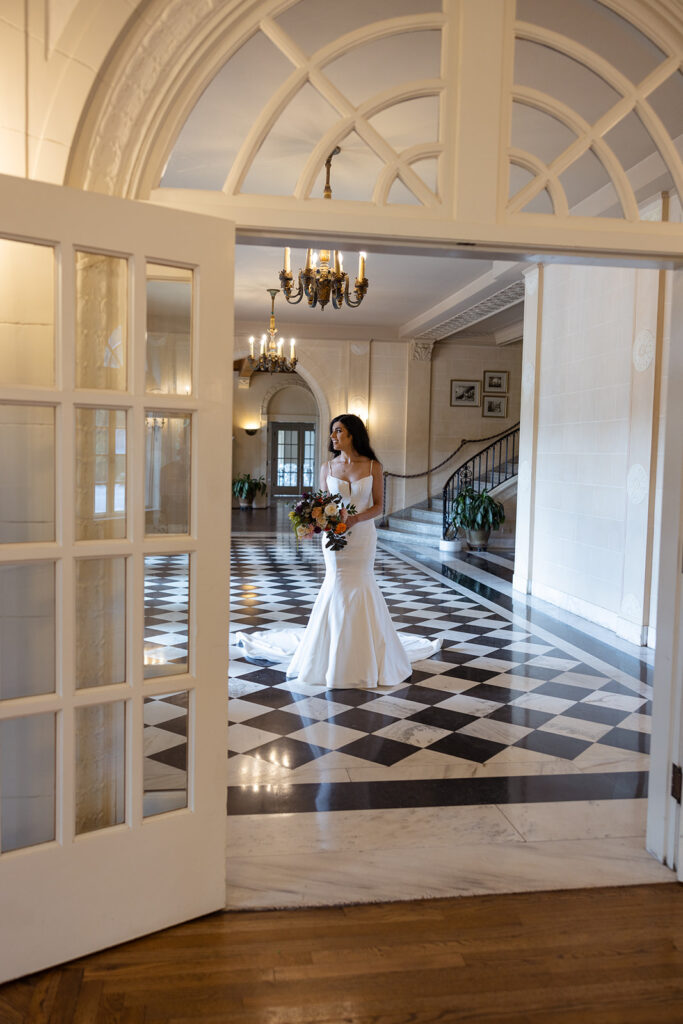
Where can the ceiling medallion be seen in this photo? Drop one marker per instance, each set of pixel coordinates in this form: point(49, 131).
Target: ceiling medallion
point(322, 282)
point(271, 358)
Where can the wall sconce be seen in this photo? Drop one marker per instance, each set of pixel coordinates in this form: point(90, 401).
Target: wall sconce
point(250, 431)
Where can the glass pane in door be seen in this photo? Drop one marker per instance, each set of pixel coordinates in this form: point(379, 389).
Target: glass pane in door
point(100, 621)
point(287, 457)
point(169, 330)
point(27, 781)
point(27, 472)
point(27, 314)
point(165, 752)
point(100, 766)
point(167, 615)
point(100, 474)
point(309, 459)
point(167, 472)
point(27, 629)
point(101, 321)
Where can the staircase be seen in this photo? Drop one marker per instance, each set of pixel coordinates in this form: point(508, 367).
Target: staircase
point(494, 468)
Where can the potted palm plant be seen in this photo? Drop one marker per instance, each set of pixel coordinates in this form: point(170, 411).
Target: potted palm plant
point(476, 513)
point(246, 487)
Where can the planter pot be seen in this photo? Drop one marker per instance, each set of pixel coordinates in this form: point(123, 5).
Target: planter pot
point(477, 540)
point(452, 544)
point(246, 502)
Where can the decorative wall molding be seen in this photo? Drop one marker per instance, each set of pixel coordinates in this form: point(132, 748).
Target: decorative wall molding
point(643, 349)
point(421, 351)
point(503, 299)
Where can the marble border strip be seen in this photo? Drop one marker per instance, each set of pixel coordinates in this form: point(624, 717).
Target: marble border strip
point(287, 798)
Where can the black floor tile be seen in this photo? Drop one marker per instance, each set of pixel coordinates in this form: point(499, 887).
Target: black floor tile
point(526, 717)
point(470, 748)
point(627, 739)
point(596, 713)
point(288, 752)
point(553, 744)
point(441, 718)
point(563, 690)
point(379, 749)
point(364, 721)
point(272, 696)
point(265, 676)
point(489, 691)
point(280, 722)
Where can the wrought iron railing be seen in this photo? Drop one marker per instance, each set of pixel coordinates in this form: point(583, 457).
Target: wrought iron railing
point(427, 472)
point(489, 468)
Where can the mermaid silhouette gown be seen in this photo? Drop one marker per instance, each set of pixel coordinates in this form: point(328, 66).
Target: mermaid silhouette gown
point(350, 640)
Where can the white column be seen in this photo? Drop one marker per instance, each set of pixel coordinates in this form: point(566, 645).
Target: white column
point(418, 419)
point(633, 618)
point(663, 820)
point(528, 429)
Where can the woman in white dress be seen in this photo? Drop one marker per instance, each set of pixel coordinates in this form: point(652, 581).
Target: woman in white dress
point(350, 640)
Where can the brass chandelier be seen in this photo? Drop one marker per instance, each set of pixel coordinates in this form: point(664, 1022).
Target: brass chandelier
point(322, 282)
point(271, 358)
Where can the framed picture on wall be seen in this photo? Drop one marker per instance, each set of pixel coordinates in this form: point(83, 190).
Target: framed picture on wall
point(495, 405)
point(496, 382)
point(466, 393)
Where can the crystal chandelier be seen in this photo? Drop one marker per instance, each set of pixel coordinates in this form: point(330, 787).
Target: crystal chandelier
point(271, 358)
point(320, 282)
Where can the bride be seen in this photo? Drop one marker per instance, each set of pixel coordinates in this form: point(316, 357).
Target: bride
point(350, 640)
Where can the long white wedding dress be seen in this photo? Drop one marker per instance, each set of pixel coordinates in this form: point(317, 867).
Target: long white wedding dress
point(350, 640)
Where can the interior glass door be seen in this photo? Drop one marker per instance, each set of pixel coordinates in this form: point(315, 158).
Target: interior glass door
point(113, 545)
point(292, 461)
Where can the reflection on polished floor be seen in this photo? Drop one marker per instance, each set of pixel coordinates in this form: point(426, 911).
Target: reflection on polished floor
point(515, 759)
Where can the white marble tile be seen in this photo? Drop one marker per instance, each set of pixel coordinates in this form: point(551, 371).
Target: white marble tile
point(577, 728)
point(492, 622)
point(348, 832)
point(155, 740)
point(328, 735)
point(242, 687)
point(542, 702)
point(580, 679)
point(316, 707)
point(547, 661)
point(529, 648)
point(448, 684)
point(601, 758)
point(497, 732)
point(242, 710)
point(416, 733)
point(515, 682)
point(244, 737)
point(517, 635)
point(640, 723)
point(580, 819)
point(613, 700)
point(159, 711)
point(470, 705)
point(163, 776)
point(244, 770)
point(507, 761)
point(394, 706)
point(494, 664)
point(330, 878)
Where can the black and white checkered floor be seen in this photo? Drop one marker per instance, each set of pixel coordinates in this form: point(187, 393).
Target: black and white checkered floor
point(501, 698)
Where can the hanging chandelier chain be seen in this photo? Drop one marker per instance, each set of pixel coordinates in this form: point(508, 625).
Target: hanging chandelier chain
point(322, 283)
point(271, 358)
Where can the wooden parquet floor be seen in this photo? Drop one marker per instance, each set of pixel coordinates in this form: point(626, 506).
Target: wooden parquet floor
point(595, 956)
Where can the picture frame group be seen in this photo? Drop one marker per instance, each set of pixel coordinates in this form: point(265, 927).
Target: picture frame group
point(467, 394)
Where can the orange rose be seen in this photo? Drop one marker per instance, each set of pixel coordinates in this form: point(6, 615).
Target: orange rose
point(340, 528)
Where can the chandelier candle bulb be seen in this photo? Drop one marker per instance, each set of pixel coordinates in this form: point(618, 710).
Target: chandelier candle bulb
point(251, 347)
point(263, 344)
point(288, 265)
point(361, 265)
point(337, 262)
point(291, 348)
point(280, 343)
point(309, 254)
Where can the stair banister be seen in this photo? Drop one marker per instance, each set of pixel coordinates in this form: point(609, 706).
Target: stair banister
point(502, 456)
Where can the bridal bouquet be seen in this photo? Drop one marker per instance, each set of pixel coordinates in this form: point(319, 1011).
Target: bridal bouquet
point(322, 512)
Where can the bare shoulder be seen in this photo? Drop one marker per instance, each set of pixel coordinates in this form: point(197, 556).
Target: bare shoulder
point(377, 468)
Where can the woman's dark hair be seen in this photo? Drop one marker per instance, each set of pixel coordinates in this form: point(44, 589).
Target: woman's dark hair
point(358, 432)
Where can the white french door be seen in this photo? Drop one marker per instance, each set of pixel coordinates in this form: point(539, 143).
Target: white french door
point(115, 413)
